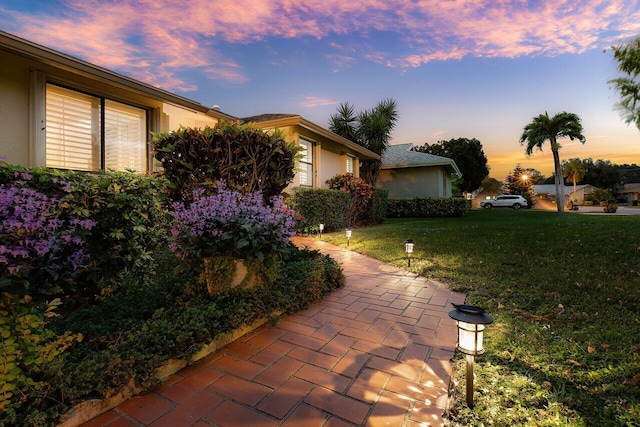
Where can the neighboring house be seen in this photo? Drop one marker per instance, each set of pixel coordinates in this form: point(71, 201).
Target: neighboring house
point(548, 192)
point(62, 112)
point(631, 192)
point(407, 174)
point(325, 154)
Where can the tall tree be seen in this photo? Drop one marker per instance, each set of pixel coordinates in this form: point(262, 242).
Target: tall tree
point(468, 155)
point(544, 128)
point(573, 169)
point(370, 129)
point(628, 57)
point(520, 182)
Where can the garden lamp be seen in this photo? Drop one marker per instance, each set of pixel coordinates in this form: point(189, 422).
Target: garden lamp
point(321, 228)
point(348, 233)
point(471, 321)
point(408, 248)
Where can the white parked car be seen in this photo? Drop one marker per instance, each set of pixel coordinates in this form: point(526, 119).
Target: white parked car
point(505, 201)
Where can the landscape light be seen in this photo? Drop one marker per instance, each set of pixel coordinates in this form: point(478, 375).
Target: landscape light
point(471, 321)
point(348, 233)
point(321, 228)
point(408, 248)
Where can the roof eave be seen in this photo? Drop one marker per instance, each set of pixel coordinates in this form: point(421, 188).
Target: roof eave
point(66, 62)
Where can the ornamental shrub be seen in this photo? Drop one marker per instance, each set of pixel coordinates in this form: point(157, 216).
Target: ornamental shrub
point(39, 247)
point(360, 192)
point(230, 223)
point(247, 159)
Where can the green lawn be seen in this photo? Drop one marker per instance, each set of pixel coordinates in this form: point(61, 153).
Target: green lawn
point(580, 365)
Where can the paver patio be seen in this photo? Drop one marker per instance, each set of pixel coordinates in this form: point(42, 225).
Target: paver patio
point(375, 352)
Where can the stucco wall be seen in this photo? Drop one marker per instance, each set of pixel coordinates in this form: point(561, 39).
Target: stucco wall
point(178, 116)
point(415, 182)
point(14, 108)
point(331, 166)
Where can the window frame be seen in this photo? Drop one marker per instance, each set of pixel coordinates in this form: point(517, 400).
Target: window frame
point(310, 165)
point(41, 90)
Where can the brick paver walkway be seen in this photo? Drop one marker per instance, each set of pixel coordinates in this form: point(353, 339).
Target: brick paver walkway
point(374, 353)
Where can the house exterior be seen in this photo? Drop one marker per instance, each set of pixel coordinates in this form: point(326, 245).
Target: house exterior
point(325, 154)
point(408, 174)
point(62, 112)
point(631, 192)
point(548, 192)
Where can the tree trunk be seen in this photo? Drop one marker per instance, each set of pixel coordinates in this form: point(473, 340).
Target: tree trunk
point(559, 181)
point(574, 188)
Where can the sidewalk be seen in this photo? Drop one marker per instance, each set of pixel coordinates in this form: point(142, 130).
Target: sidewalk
point(375, 352)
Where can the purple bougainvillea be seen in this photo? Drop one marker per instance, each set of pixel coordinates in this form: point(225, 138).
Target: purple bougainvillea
point(230, 223)
point(36, 246)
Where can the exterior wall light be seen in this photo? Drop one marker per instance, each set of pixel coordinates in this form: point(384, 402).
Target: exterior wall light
point(348, 233)
point(408, 248)
point(471, 321)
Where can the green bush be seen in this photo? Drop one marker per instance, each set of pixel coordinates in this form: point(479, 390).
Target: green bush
point(376, 211)
point(360, 193)
point(131, 334)
point(129, 214)
point(427, 207)
point(247, 159)
point(319, 206)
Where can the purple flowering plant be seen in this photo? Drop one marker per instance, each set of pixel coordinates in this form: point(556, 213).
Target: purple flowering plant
point(38, 247)
point(230, 223)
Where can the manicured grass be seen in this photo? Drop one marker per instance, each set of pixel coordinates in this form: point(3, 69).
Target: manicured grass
point(578, 366)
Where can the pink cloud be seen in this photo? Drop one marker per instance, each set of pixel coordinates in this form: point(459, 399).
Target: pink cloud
point(314, 101)
point(161, 40)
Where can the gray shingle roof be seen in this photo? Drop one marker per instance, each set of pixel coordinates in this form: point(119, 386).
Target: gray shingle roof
point(401, 156)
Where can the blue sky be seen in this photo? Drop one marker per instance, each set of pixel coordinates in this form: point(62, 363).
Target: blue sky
point(468, 68)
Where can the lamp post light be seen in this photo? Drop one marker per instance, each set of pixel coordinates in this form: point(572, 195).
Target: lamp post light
point(471, 321)
point(321, 228)
point(348, 233)
point(408, 248)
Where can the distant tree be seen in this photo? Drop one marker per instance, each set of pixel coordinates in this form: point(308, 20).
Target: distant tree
point(628, 57)
point(602, 174)
point(491, 185)
point(534, 175)
point(544, 128)
point(573, 169)
point(468, 155)
point(630, 173)
point(519, 182)
point(370, 129)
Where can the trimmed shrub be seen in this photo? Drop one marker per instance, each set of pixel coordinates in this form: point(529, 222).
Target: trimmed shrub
point(319, 205)
point(376, 211)
point(427, 207)
point(247, 159)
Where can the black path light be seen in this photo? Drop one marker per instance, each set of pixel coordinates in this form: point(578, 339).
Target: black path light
point(348, 233)
point(471, 321)
point(408, 248)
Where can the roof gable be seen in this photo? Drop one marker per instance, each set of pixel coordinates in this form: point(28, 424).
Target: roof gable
point(401, 156)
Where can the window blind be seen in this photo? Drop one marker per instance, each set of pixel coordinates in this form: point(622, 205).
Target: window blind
point(125, 142)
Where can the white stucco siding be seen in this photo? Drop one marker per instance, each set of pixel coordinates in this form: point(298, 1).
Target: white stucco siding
point(14, 109)
point(415, 182)
point(331, 166)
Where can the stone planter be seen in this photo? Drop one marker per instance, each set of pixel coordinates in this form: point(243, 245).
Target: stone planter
point(221, 274)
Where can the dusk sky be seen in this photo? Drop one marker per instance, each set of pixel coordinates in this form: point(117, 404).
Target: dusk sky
point(469, 68)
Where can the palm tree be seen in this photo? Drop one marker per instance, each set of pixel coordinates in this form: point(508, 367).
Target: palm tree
point(573, 169)
point(370, 129)
point(543, 128)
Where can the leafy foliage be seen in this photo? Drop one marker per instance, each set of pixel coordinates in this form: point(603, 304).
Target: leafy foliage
point(628, 57)
point(518, 182)
point(427, 207)
point(247, 159)
point(370, 129)
point(469, 157)
point(319, 206)
point(360, 193)
point(230, 223)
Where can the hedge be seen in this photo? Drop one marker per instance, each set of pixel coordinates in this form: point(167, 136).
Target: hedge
point(427, 207)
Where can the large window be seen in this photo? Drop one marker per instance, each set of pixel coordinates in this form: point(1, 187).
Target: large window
point(89, 133)
point(306, 163)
